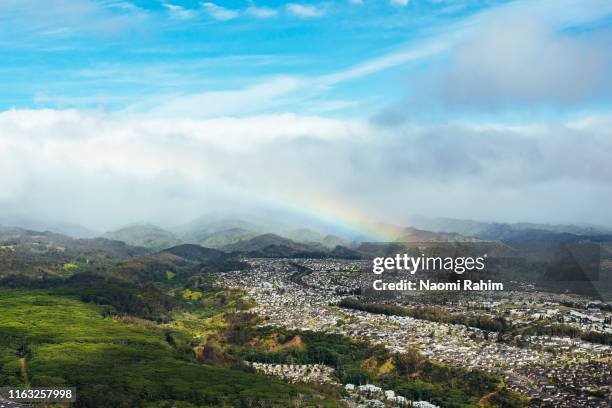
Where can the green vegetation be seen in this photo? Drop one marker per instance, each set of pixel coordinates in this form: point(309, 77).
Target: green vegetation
point(144, 235)
point(119, 296)
point(63, 341)
point(177, 264)
point(275, 246)
point(498, 324)
point(230, 236)
point(133, 329)
point(431, 313)
point(231, 335)
point(28, 257)
point(192, 294)
point(358, 362)
point(70, 266)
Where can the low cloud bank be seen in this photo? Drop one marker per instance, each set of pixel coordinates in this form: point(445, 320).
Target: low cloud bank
point(103, 170)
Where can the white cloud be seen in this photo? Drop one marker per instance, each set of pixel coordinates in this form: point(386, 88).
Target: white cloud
point(380, 63)
point(282, 92)
point(259, 97)
point(261, 12)
point(116, 169)
point(402, 3)
point(60, 18)
point(304, 10)
point(179, 12)
point(220, 13)
point(512, 60)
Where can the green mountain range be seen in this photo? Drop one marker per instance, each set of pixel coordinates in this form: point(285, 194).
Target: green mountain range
point(144, 235)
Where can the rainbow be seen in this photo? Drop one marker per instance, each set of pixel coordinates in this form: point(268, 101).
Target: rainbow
point(340, 214)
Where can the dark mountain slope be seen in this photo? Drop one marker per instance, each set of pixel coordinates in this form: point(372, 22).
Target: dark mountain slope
point(519, 232)
point(144, 235)
point(271, 245)
point(194, 253)
point(36, 255)
point(219, 239)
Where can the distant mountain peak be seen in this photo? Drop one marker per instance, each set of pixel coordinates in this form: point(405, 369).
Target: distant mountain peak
point(145, 235)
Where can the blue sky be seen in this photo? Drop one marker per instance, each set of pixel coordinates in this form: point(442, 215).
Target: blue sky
point(121, 55)
point(117, 54)
point(482, 109)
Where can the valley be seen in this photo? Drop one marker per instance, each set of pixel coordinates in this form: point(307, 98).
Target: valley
point(271, 322)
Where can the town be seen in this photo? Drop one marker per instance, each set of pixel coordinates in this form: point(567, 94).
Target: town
point(552, 370)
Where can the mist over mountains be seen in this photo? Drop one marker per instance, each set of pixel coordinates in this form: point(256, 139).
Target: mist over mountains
point(517, 232)
point(548, 254)
point(250, 232)
point(72, 230)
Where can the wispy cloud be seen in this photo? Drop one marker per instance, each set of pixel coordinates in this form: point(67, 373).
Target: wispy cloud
point(261, 12)
point(457, 52)
point(386, 61)
point(267, 94)
point(179, 12)
point(399, 2)
point(304, 10)
point(283, 92)
point(220, 13)
point(64, 19)
point(471, 41)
